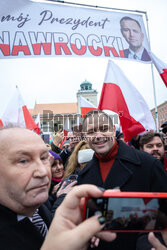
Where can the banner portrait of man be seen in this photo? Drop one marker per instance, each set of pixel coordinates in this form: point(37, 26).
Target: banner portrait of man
point(134, 36)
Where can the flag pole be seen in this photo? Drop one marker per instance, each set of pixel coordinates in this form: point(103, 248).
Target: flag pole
point(153, 80)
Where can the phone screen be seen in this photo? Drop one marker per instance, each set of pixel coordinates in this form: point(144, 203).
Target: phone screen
point(130, 214)
point(70, 179)
point(73, 177)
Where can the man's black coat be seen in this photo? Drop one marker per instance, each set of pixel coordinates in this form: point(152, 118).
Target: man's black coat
point(133, 170)
point(21, 235)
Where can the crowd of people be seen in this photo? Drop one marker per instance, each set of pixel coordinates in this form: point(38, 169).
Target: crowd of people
point(42, 188)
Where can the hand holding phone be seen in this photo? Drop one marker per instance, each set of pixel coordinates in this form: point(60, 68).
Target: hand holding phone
point(70, 179)
point(130, 211)
point(65, 189)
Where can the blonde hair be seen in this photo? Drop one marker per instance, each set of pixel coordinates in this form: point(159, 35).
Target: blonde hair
point(73, 160)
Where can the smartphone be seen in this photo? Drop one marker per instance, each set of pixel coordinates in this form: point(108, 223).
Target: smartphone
point(129, 211)
point(71, 178)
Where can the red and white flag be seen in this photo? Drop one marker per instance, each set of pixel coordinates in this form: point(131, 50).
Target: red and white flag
point(38, 123)
point(160, 66)
point(119, 95)
point(86, 106)
point(17, 113)
point(66, 129)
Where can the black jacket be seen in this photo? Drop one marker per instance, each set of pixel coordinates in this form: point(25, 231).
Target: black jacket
point(21, 235)
point(132, 170)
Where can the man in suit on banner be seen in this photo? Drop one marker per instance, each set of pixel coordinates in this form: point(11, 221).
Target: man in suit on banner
point(131, 31)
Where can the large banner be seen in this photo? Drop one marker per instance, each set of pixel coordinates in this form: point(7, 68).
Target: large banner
point(34, 29)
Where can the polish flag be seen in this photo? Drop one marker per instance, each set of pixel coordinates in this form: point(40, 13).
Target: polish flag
point(67, 127)
point(160, 66)
point(119, 95)
point(17, 113)
point(85, 106)
point(66, 130)
point(38, 123)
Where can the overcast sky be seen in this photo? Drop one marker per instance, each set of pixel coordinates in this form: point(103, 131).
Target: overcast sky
point(56, 80)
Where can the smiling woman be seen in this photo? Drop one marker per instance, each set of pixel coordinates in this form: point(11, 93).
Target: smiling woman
point(57, 170)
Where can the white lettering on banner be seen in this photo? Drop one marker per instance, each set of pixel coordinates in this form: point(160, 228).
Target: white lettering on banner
point(60, 43)
point(38, 39)
point(78, 44)
point(93, 42)
point(41, 43)
point(20, 44)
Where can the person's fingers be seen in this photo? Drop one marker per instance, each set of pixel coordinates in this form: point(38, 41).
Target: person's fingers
point(69, 187)
point(106, 235)
point(63, 184)
point(73, 183)
point(56, 187)
point(94, 226)
point(94, 242)
point(72, 200)
point(155, 242)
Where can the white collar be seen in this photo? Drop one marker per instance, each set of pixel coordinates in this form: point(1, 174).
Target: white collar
point(138, 54)
point(21, 217)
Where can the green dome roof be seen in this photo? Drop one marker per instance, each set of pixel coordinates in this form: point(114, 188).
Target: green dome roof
point(86, 85)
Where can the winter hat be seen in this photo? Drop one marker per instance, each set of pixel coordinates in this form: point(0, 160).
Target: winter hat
point(56, 156)
point(64, 142)
point(164, 127)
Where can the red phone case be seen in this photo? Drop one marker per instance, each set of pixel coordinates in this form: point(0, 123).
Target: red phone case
point(118, 194)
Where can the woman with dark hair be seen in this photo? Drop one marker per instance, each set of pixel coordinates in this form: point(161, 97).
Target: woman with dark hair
point(57, 170)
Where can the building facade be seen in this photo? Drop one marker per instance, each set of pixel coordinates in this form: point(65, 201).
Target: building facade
point(162, 113)
point(88, 93)
point(55, 116)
